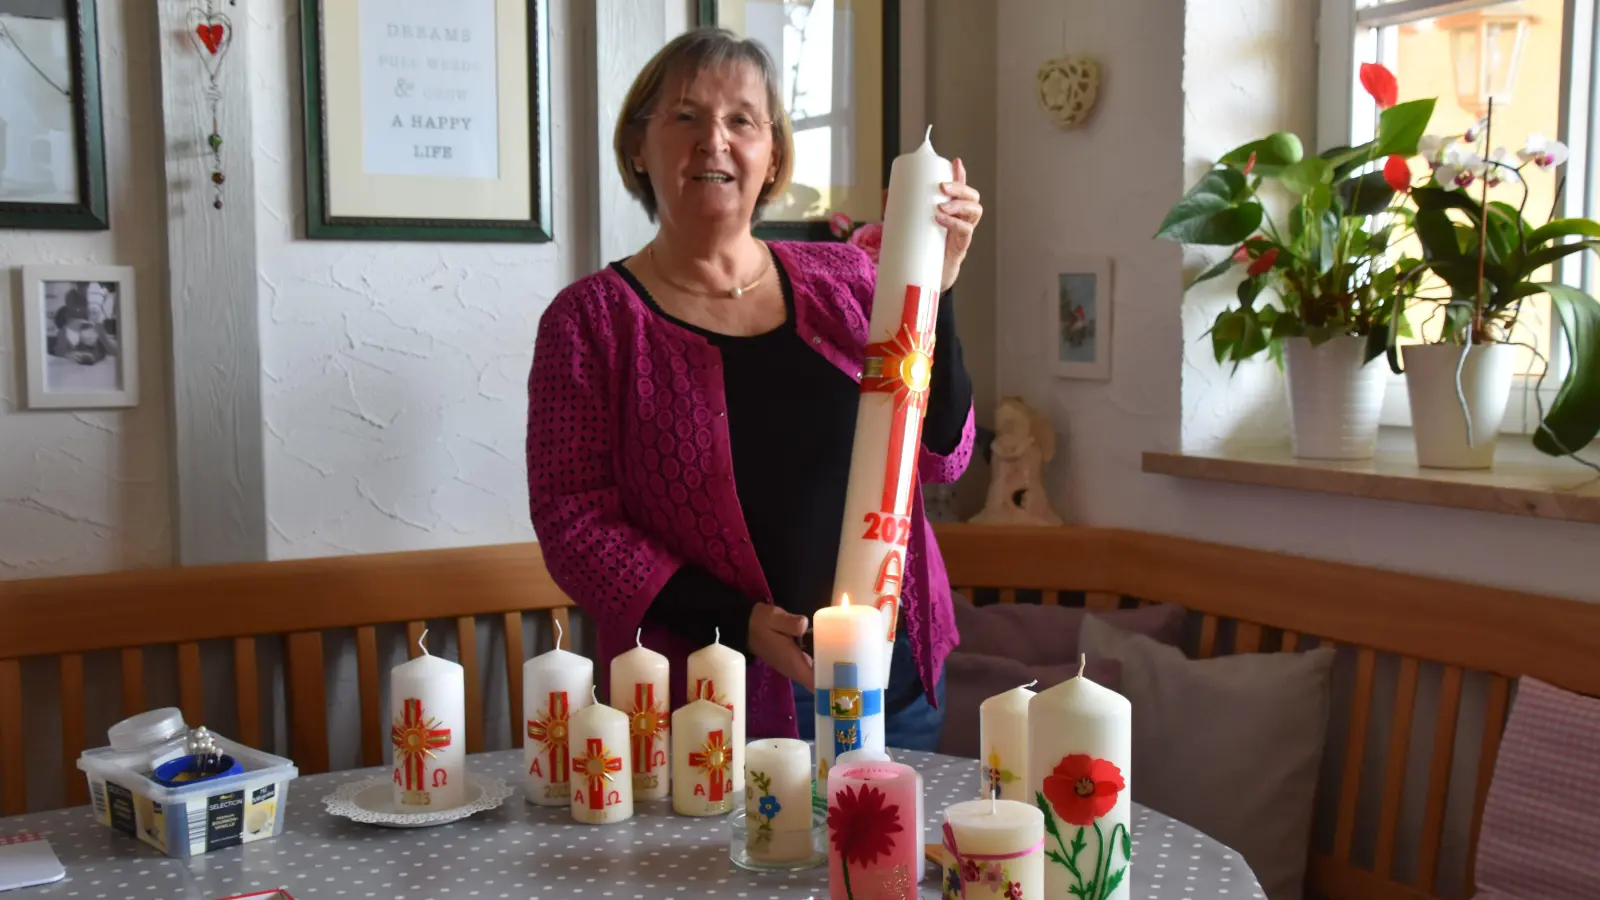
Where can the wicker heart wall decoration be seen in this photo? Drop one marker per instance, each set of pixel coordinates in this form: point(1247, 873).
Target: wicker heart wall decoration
point(1068, 88)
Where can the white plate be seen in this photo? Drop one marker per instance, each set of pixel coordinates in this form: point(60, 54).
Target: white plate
point(372, 802)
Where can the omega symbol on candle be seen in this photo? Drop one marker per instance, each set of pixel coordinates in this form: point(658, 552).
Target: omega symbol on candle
point(597, 766)
point(713, 758)
point(415, 738)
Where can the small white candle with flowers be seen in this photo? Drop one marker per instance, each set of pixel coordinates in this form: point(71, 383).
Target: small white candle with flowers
point(1003, 744)
point(777, 799)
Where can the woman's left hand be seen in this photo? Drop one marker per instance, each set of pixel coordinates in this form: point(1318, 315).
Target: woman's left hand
point(959, 215)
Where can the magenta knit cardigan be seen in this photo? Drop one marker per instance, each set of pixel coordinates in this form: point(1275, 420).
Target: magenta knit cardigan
point(630, 473)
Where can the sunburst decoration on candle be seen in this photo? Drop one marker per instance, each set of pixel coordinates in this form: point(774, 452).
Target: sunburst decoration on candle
point(415, 736)
point(646, 723)
point(713, 758)
point(598, 765)
point(550, 730)
point(903, 367)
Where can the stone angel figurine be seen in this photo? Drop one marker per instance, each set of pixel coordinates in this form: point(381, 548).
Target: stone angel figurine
point(1022, 444)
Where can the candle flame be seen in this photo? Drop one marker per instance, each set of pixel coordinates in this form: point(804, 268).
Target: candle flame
point(844, 599)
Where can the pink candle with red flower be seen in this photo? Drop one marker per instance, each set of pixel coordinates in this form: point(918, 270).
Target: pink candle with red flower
point(1080, 744)
point(874, 832)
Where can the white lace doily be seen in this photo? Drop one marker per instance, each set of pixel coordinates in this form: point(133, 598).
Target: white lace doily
point(371, 801)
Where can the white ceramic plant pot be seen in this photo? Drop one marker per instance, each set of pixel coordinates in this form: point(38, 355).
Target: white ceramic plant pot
point(1334, 398)
point(1437, 422)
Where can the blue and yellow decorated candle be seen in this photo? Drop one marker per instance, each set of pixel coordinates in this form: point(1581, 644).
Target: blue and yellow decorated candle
point(849, 680)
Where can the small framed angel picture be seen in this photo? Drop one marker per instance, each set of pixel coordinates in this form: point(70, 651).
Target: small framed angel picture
point(1080, 314)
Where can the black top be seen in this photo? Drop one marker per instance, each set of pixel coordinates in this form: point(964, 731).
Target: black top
point(791, 429)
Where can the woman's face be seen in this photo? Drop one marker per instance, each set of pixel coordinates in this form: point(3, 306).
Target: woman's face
point(708, 146)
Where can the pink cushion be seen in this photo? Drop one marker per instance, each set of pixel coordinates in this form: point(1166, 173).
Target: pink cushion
point(1540, 838)
point(971, 678)
point(1048, 635)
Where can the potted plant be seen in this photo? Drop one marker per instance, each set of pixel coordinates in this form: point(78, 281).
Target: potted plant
point(1325, 264)
point(1488, 257)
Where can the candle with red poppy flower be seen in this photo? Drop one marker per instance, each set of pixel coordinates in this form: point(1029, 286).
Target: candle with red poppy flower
point(702, 759)
point(996, 848)
point(602, 789)
point(1080, 742)
point(716, 672)
point(874, 833)
point(639, 685)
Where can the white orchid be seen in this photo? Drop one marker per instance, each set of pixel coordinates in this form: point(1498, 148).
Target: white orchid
point(1459, 168)
point(1496, 170)
point(1542, 152)
point(1434, 148)
point(1476, 131)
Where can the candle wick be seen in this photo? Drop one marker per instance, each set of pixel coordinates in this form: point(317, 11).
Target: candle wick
point(420, 638)
point(1031, 683)
point(638, 638)
point(1083, 661)
point(558, 634)
point(928, 136)
point(719, 634)
point(594, 693)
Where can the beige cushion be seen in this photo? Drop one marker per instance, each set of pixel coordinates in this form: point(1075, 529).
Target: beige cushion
point(1231, 746)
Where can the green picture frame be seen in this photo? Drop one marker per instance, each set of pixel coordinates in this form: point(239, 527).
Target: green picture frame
point(90, 210)
point(818, 230)
point(322, 222)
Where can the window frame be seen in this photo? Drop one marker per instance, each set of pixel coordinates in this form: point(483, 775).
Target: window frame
point(1342, 26)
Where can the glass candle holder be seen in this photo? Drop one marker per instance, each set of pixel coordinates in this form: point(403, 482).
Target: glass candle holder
point(783, 852)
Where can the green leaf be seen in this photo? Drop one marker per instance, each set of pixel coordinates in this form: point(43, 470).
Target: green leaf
point(1324, 256)
point(1383, 338)
point(1347, 159)
point(1367, 195)
point(1574, 418)
point(1436, 198)
point(1560, 228)
point(1055, 857)
point(1112, 880)
point(1226, 332)
point(1541, 258)
point(1249, 289)
point(1272, 153)
point(1254, 338)
point(1221, 268)
point(1049, 820)
point(1306, 175)
point(1077, 842)
point(1211, 213)
point(1127, 845)
point(1401, 126)
point(1438, 236)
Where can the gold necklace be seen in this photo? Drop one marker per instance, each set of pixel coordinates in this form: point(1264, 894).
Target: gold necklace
point(734, 292)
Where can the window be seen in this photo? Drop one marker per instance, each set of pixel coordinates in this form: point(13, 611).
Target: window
point(1532, 60)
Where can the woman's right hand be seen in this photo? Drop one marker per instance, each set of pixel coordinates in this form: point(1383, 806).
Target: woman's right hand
point(774, 638)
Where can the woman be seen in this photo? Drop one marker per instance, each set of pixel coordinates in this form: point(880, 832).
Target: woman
point(692, 408)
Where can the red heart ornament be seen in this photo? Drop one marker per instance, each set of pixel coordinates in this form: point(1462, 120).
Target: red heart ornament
point(211, 35)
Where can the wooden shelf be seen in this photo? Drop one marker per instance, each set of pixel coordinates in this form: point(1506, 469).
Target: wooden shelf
point(1524, 482)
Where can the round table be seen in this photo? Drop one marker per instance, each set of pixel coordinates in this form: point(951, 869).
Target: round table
point(528, 852)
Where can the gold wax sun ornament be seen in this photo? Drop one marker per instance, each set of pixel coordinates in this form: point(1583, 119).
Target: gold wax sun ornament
point(597, 765)
point(415, 736)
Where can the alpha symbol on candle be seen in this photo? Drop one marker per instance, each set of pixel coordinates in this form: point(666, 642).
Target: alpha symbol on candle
point(647, 722)
point(713, 758)
point(597, 765)
point(888, 587)
point(903, 366)
point(847, 704)
point(415, 738)
point(550, 730)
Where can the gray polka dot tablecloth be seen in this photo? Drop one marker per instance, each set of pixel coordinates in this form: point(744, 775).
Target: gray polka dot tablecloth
point(538, 853)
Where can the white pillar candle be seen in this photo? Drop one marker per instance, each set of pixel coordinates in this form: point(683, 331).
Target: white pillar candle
point(602, 790)
point(702, 759)
point(639, 686)
point(849, 677)
point(553, 685)
point(1080, 743)
point(1003, 744)
point(874, 833)
point(997, 847)
point(777, 799)
point(428, 730)
point(716, 673)
point(894, 389)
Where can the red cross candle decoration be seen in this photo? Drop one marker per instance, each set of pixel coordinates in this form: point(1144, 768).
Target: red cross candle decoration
point(702, 759)
point(716, 673)
point(895, 378)
point(553, 685)
point(639, 688)
point(427, 731)
point(602, 788)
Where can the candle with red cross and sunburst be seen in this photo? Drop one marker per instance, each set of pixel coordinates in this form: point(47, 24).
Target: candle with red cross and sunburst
point(427, 731)
point(715, 672)
point(554, 684)
point(702, 759)
point(895, 379)
point(639, 686)
point(602, 787)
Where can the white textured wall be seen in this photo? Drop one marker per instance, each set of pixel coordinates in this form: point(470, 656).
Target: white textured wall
point(86, 491)
point(1104, 189)
point(394, 374)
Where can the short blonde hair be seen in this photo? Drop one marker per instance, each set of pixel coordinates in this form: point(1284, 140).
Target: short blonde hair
point(689, 54)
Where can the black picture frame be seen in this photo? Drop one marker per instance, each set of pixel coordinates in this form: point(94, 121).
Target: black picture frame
point(706, 16)
point(321, 224)
point(91, 210)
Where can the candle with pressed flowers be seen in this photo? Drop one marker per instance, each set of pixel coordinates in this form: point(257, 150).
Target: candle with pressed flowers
point(602, 790)
point(1003, 744)
point(553, 685)
point(996, 849)
point(428, 729)
point(777, 799)
point(702, 759)
point(1080, 743)
point(874, 834)
point(716, 673)
point(639, 685)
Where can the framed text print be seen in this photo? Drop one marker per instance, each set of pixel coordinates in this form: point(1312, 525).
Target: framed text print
point(427, 120)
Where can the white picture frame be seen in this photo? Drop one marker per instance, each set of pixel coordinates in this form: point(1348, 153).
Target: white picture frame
point(1079, 309)
point(80, 337)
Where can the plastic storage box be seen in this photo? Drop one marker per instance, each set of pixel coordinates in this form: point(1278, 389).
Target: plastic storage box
point(193, 819)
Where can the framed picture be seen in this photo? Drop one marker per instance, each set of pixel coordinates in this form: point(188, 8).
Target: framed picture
point(52, 145)
point(840, 61)
point(427, 120)
point(1080, 313)
point(80, 336)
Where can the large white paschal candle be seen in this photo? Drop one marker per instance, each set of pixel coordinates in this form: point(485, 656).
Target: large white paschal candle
point(553, 685)
point(428, 731)
point(1003, 744)
point(997, 848)
point(602, 789)
point(715, 672)
point(894, 389)
point(849, 677)
point(702, 759)
point(639, 686)
point(1080, 744)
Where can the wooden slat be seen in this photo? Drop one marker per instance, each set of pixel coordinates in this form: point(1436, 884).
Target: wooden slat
point(558, 620)
point(308, 710)
point(467, 645)
point(1290, 642)
point(133, 701)
point(247, 691)
point(1494, 721)
point(1354, 752)
point(414, 632)
point(1101, 601)
point(72, 728)
point(1246, 637)
point(191, 692)
point(1050, 598)
point(1394, 776)
point(1208, 636)
point(1334, 880)
point(1444, 743)
point(371, 695)
point(514, 652)
point(1008, 595)
point(13, 775)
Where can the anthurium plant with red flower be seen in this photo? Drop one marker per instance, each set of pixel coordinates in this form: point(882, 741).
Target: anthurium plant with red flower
point(1326, 263)
point(1079, 791)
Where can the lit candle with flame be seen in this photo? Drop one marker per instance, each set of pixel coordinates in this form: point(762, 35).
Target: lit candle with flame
point(849, 678)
